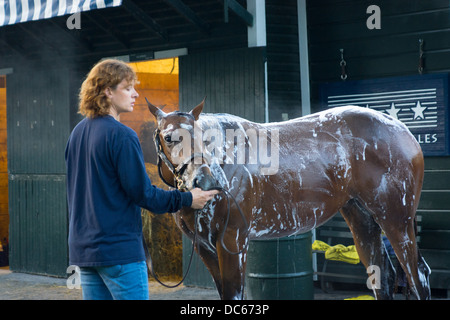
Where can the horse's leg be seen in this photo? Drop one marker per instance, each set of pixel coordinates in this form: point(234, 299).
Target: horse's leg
point(405, 247)
point(394, 211)
point(209, 258)
point(206, 251)
point(232, 270)
point(370, 247)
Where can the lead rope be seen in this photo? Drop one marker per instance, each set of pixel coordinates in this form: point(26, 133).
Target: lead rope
point(150, 263)
point(194, 240)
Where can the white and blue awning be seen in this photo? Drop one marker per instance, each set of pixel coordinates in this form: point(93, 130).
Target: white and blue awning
point(17, 11)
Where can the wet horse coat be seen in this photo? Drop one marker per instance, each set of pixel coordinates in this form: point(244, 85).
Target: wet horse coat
point(360, 162)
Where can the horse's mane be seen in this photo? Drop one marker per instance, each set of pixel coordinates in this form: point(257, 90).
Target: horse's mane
point(184, 114)
point(224, 120)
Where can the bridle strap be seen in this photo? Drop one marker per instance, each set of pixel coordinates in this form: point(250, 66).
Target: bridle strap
point(176, 171)
point(162, 156)
point(182, 166)
point(150, 262)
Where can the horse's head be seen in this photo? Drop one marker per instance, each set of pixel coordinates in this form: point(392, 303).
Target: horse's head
point(182, 162)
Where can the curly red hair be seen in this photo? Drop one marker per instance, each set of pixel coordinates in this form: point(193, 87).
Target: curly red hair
point(105, 74)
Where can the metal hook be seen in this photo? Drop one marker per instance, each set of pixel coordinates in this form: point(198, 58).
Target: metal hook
point(343, 64)
point(421, 59)
point(342, 54)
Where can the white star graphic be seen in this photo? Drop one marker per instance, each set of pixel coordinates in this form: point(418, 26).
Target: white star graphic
point(393, 111)
point(418, 111)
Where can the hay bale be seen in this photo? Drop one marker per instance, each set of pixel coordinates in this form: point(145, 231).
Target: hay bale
point(163, 237)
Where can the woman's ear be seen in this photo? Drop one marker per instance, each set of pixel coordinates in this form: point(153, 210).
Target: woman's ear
point(108, 92)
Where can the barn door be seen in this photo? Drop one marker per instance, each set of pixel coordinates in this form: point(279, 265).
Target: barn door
point(38, 127)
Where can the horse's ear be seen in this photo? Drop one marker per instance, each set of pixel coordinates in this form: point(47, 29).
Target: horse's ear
point(198, 109)
point(157, 112)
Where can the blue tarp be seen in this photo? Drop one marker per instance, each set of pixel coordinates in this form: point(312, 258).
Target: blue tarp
point(17, 11)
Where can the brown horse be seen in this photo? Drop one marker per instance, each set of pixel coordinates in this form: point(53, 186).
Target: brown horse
point(293, 176)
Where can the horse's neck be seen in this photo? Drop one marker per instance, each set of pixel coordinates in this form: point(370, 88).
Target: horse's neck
point(224, 128)
point(223, 121)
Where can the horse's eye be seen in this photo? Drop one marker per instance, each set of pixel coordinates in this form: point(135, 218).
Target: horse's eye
point(168, 138)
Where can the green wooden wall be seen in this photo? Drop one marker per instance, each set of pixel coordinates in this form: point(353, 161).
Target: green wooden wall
point(38, 127)
point(233, 81)
point(283, 64)
point(392, 50)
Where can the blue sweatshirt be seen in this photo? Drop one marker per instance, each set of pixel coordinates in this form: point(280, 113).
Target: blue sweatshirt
point(106, 185)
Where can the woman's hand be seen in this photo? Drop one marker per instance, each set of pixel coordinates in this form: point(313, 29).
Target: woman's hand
point(200, 197)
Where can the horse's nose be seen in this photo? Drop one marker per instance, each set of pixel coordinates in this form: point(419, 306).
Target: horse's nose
point(196, 185)
point(206, 183)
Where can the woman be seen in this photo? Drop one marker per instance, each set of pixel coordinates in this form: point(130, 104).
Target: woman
point(107, 184)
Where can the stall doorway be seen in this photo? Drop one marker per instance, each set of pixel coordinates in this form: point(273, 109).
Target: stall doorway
point(4, 216)
point(158, 82)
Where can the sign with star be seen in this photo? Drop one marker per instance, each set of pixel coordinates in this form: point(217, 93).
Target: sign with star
point(420, 102)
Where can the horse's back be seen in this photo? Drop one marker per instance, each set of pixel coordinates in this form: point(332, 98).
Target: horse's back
point(377, 127)
point(364, 143)
point(386, 154)
point(374, 128)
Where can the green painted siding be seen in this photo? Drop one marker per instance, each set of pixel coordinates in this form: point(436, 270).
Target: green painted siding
point(283, 64)
point(233, 82)
point(38, 224)
point(38, 128)
point(391, 51)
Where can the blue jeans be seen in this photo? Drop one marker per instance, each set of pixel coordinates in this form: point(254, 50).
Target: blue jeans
point(118, 282)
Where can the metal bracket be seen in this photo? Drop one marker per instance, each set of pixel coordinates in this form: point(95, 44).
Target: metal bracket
point(421, 58)
point(239, 10)
point(343, 65)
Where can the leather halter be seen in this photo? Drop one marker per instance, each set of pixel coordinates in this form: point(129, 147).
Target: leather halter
point(178, 171)
point(180, 185)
